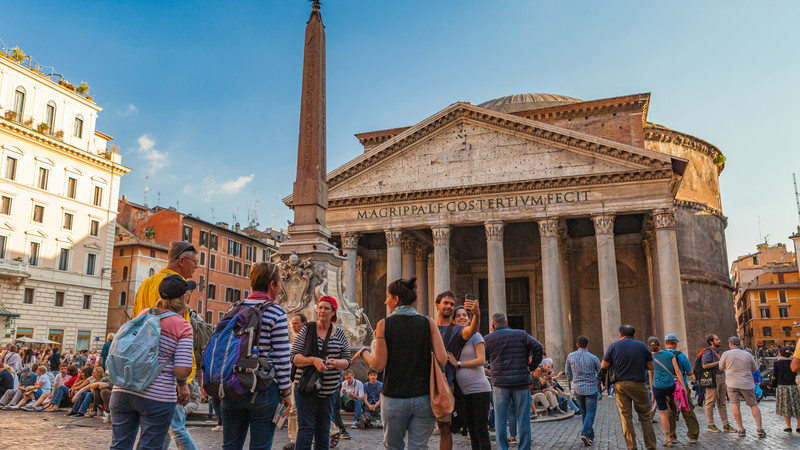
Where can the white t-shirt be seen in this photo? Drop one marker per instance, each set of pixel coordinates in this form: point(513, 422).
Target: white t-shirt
point(355, 390)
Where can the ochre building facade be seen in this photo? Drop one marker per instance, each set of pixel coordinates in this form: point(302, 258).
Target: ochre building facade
point(572, 217)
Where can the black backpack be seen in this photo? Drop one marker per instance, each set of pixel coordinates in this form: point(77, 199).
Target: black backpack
point(705, 377)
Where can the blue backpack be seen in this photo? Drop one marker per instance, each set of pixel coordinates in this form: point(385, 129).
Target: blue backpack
point(231, 365)
point(132, 362)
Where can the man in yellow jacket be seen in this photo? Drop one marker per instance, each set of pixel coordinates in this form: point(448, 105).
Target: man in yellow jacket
point(181, 260)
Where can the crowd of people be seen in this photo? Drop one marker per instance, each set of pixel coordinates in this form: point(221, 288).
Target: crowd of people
point(424, 374)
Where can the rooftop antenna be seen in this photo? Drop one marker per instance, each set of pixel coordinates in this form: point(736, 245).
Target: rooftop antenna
point(159, 198)
point(796, 198)
point(760, 236)
point(213, 217)
point(146, 189)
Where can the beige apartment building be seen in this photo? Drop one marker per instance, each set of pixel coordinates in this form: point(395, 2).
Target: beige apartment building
point(59, 184)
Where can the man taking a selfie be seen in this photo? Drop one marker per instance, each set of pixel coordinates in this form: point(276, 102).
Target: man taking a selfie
point(454, 337)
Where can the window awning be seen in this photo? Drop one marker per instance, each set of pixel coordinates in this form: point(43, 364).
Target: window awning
point(7, 313)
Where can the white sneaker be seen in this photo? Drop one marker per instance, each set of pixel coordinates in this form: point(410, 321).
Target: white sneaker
point(217, 428)
point(106, 417)
point(13, 407)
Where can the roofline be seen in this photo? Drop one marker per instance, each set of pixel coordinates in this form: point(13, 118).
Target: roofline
point(103, 135)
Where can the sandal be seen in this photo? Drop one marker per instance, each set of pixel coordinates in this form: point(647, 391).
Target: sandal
point(788, 430)
point(669, 444)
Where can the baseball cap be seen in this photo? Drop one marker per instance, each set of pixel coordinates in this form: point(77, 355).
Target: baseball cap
point(174, 286)
point(671, 337)
point(177, 248)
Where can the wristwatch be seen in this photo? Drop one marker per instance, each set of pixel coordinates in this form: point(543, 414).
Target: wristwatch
point(459, 364)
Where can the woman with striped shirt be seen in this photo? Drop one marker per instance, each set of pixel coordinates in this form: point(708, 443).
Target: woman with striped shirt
point(256, 415)
point(314, 410)
point(152, 409)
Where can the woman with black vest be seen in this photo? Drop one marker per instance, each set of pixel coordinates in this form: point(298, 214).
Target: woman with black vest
point(403, 345)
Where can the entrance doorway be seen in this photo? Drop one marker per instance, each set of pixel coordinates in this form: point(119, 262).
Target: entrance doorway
point(56, 336)
point(518, 309)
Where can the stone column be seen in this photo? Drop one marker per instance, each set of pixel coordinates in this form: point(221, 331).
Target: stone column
point(551, 290)
point(393, 255)
point(422, 279)
point(496, 265)
point(350, 249)
point(408, 247)
point(669, 275)
point(610, 318)
point(441, 258)
point(431, 287)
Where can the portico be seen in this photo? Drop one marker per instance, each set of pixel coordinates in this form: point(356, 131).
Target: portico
point(565, 232)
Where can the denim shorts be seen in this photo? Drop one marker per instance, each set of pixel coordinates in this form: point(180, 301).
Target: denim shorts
point(661, 395)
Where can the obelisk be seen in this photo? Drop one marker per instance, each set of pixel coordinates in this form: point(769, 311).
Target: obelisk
point(311, 266)
point(310, 194)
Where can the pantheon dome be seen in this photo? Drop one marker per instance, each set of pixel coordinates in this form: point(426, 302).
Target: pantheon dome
point(525, 102)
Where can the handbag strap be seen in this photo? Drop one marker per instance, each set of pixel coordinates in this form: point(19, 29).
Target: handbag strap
point(325, 343)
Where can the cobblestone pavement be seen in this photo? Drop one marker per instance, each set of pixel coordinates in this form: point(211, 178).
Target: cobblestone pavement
point(19, 429)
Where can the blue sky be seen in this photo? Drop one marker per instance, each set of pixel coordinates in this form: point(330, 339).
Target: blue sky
point(203, 97)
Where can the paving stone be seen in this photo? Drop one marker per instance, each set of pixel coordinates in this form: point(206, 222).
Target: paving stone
point(42, 430)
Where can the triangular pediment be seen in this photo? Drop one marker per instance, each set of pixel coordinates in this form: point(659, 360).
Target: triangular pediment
point(93, 246)
point(465, 145)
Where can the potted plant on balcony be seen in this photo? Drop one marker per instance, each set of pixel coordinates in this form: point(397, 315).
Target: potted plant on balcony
point(10, 114)
point(83, 89)
point(29, 121)
point(42, 127)
point(18, 54)
point(59, 134)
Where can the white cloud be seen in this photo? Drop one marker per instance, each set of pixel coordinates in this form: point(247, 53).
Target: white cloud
point(147, 148)
point(211, 187)
point(130, 110)
point(234, 186)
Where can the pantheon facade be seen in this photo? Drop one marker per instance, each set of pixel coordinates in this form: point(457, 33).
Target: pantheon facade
point(572, 217)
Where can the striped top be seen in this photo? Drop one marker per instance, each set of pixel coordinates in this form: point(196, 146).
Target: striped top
point(338, 348)
point(582, 369)
point(274, 341)
point(175, 348)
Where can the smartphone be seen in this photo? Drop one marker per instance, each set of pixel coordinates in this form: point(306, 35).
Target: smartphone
point(470, 297)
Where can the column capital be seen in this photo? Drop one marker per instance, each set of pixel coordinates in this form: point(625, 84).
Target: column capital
point(548, 227)
point(408, 245)
point(393, 237)
point(350, 240)
point(422, 253)
point(664, 218)
point(494, 230)
point(603, 223)
point(441, 234)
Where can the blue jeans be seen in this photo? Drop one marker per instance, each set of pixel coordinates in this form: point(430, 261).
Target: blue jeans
point(83, 402)
point(240, 415)
point(58, 394)
point(313, 420)
point(504, 401)
point(412, 416)
point(572, 405)
point(588, 405)
point(356, 406)
point(130, 412)
point(215, 407)
point(178, 431)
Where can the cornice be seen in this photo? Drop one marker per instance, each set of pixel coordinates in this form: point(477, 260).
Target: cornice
point(515, 186)
point(657, 133)
point(41, 139)
point(702, 207)
point(578, 109)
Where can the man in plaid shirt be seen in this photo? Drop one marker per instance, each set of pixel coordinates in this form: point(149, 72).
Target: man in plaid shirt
point(582, 369)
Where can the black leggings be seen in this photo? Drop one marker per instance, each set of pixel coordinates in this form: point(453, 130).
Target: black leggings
point(477, 419)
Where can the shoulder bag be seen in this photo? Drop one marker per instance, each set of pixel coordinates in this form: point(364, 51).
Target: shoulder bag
point(311, 379)
point(442, 400)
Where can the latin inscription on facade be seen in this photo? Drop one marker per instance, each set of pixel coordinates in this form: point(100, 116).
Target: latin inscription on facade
point(483, 204)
